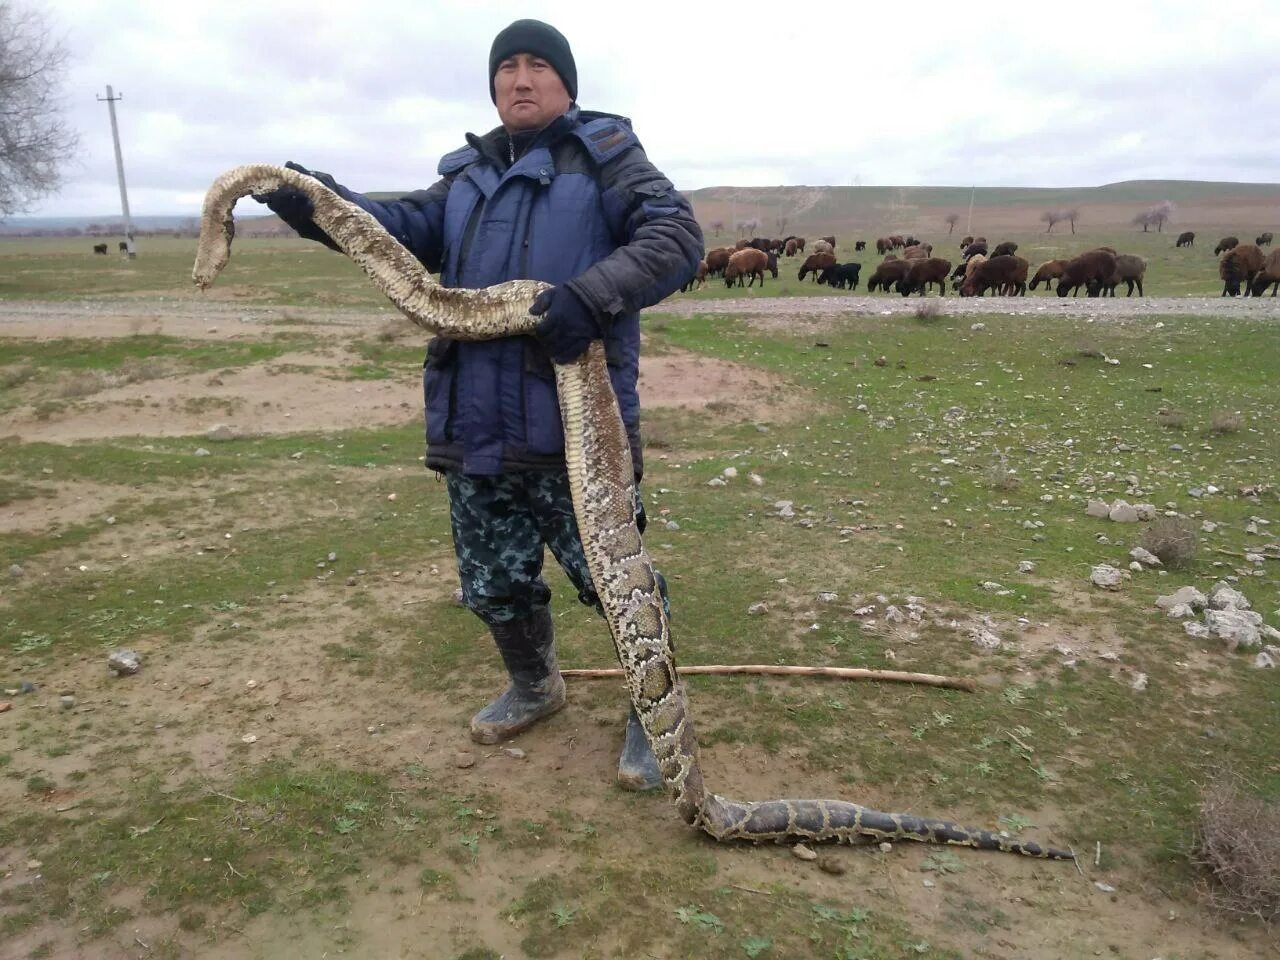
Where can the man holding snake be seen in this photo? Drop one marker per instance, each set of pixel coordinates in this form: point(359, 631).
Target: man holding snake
point(567, 196)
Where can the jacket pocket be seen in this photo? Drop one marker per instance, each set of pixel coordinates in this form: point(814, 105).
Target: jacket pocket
point(440, 388)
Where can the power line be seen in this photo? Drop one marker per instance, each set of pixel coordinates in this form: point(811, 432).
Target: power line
point(124, 194)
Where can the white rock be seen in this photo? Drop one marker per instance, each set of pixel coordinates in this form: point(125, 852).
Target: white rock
point(758, 609)
point(1223, 597)
point(1145, 557)
point(801, 852)
point(894, 615)
point(1106, 576)
point(1196, 630)
point(1237, 628)
point(1188, 595)
point(1208, 526)
point(1026, 566)
point(1122, 512)
point(1264, 661)
point(1135, 566)
point(977, 327)
point(730, 472)
point(1139, 682)
point(202, 452)
point(991, 586)
point(756, 479)
point(1180, 611)
point(785, 508)
point(1097, 508)
point(124, 662)
point(826, 596)
point(984, 639)
point(716, 482)
point(1146, 511)
point(222, 431)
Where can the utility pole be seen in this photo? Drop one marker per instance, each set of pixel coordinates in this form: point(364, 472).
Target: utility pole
point(124, 194)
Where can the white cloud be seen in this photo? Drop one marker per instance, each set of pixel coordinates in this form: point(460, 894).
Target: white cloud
point(760, 93)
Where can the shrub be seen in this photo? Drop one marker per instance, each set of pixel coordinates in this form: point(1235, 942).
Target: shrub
point(1226, 422)
point(1239, 841)
point(1173, 540)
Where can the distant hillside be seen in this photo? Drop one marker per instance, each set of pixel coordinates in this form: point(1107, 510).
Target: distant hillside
point(1246, 207)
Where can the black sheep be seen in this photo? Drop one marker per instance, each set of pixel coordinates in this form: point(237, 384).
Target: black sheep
point(841, 276)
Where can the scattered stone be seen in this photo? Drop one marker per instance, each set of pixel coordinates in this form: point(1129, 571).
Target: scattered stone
point(1146, 511)
point(1208, 526)
point(5, 706)
point(1106, 576)
point(1189, 596)
point(1026, 566)
point(249, 738)
point(124, 662)
point(758, 609)
point(1265, 660)
point(785, 508)
point(894, 615)
point(1098, 508)
point(458, 600)
point(801, 852)
point(756, 479)
point(464, 760)
point(977, 327)
point(991, 586)
point(1145, 557)
point(886, 847)
point(1110, 656)
point(515, 753)
point(730, 472)
point(16, 571)
point(984, 639)
point(26, 686)
point(220, 432)
point(1236, 628)
point(1104, 887)
point(826, 596)
point(1196, 630)
point(672, 525)
point(1223, 597)
point(67, 702)
point(202, 452)
point(1139, 682)
point(296, 456)
point(831, 865)
point(1122, 512)
point(1180, 611)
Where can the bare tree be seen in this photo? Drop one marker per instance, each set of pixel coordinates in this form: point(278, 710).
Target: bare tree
point(1142, 220)
point(717, 227)
point(781, 224)
point(1051, 217)
point(1072, 214)
point(35, 140)
point(951, 219)
point(1156, 216)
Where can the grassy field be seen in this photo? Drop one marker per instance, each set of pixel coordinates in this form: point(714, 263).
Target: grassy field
point(290, 774)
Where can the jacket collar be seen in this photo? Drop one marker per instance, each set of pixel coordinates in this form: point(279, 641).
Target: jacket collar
point(493, 146)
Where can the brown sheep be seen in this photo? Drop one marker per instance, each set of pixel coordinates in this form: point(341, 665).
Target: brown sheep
point(1186, 239)
point(100, 248)
point(832, 241)
point(1049, 270)
point(1089, 270)
point(1129, 270)
point(1270, 274)
point(815, 263)
point(821, 246)
point(919, 251)
point(965, 242)
point(978, 246)
point(717, 260)
point(883, 245)
point(1225, 244)
point(1239, 266)
point(898, 241)
point(1006, 248)
point(746, 263)
point(887, 274)
point(921, 273)
point(1264, 239)
point(791, 247)
point(1005, 274)
point(971, 266)
point(799, 244)
point(699, 278)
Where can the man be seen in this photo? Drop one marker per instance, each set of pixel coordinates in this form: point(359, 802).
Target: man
point(569, 197)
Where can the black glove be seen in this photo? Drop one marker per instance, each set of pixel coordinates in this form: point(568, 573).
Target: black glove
point(295, 208)
point(568, 325)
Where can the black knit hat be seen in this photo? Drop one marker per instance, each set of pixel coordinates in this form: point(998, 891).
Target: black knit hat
point(541, 40)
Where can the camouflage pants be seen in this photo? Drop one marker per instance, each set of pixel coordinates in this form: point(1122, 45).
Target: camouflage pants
point(500, 526)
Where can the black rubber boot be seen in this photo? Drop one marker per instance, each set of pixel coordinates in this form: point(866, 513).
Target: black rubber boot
point(537, 690)
point(637, 767)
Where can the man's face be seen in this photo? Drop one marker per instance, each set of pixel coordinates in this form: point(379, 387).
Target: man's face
point(529, 92)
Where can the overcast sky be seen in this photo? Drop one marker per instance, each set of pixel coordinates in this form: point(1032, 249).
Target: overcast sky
point(739, 93)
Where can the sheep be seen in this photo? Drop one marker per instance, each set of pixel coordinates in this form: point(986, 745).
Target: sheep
point(100, 248)
point(1005, 274)
point(958, 272)
point(1129, 270)
point(888, 273)
point(790, 249)
point(922, 273)
point(699, 278)
point(746, 263)
point(1089, 270)
point(883, 245)
point(815, 263)
point(1270, 274)
point(717, 260)
point(822, 246)
point(841, 275)
point(898, 241)
point(799, 244)
point(1049, 270)
point(1006, 248)
point(1264, 239)
point(917, 251)
point(1186, 239)
point(1225, 244)
point(832, 241)
point(859, 246)
point(975, 248)
point(970, 268)
point(965, 242)
point(123, 246)
point(1240, 265)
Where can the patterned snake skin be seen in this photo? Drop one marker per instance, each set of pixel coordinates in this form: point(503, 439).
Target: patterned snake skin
point(599, 463)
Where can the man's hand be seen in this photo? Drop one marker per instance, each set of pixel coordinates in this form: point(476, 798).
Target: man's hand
point(289, 203)
point(568, 325)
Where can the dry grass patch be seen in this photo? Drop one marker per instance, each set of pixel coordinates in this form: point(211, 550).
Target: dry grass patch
point(1226, 421)
point(1171, 419)
point(1173, 540)
point(1239, 842)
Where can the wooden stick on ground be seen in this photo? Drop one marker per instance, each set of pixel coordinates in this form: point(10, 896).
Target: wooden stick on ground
point(843, 673)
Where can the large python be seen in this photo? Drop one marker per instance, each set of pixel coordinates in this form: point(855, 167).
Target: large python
point(599, 466)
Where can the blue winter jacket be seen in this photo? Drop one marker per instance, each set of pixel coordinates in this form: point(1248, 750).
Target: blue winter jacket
point(581, 205)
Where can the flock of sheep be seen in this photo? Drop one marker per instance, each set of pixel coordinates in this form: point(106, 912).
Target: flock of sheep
point(1099, 272)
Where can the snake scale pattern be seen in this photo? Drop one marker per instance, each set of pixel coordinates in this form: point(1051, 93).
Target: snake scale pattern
point(599, 465)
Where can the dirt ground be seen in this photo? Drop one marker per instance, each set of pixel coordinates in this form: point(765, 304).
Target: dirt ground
point(202, 700)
